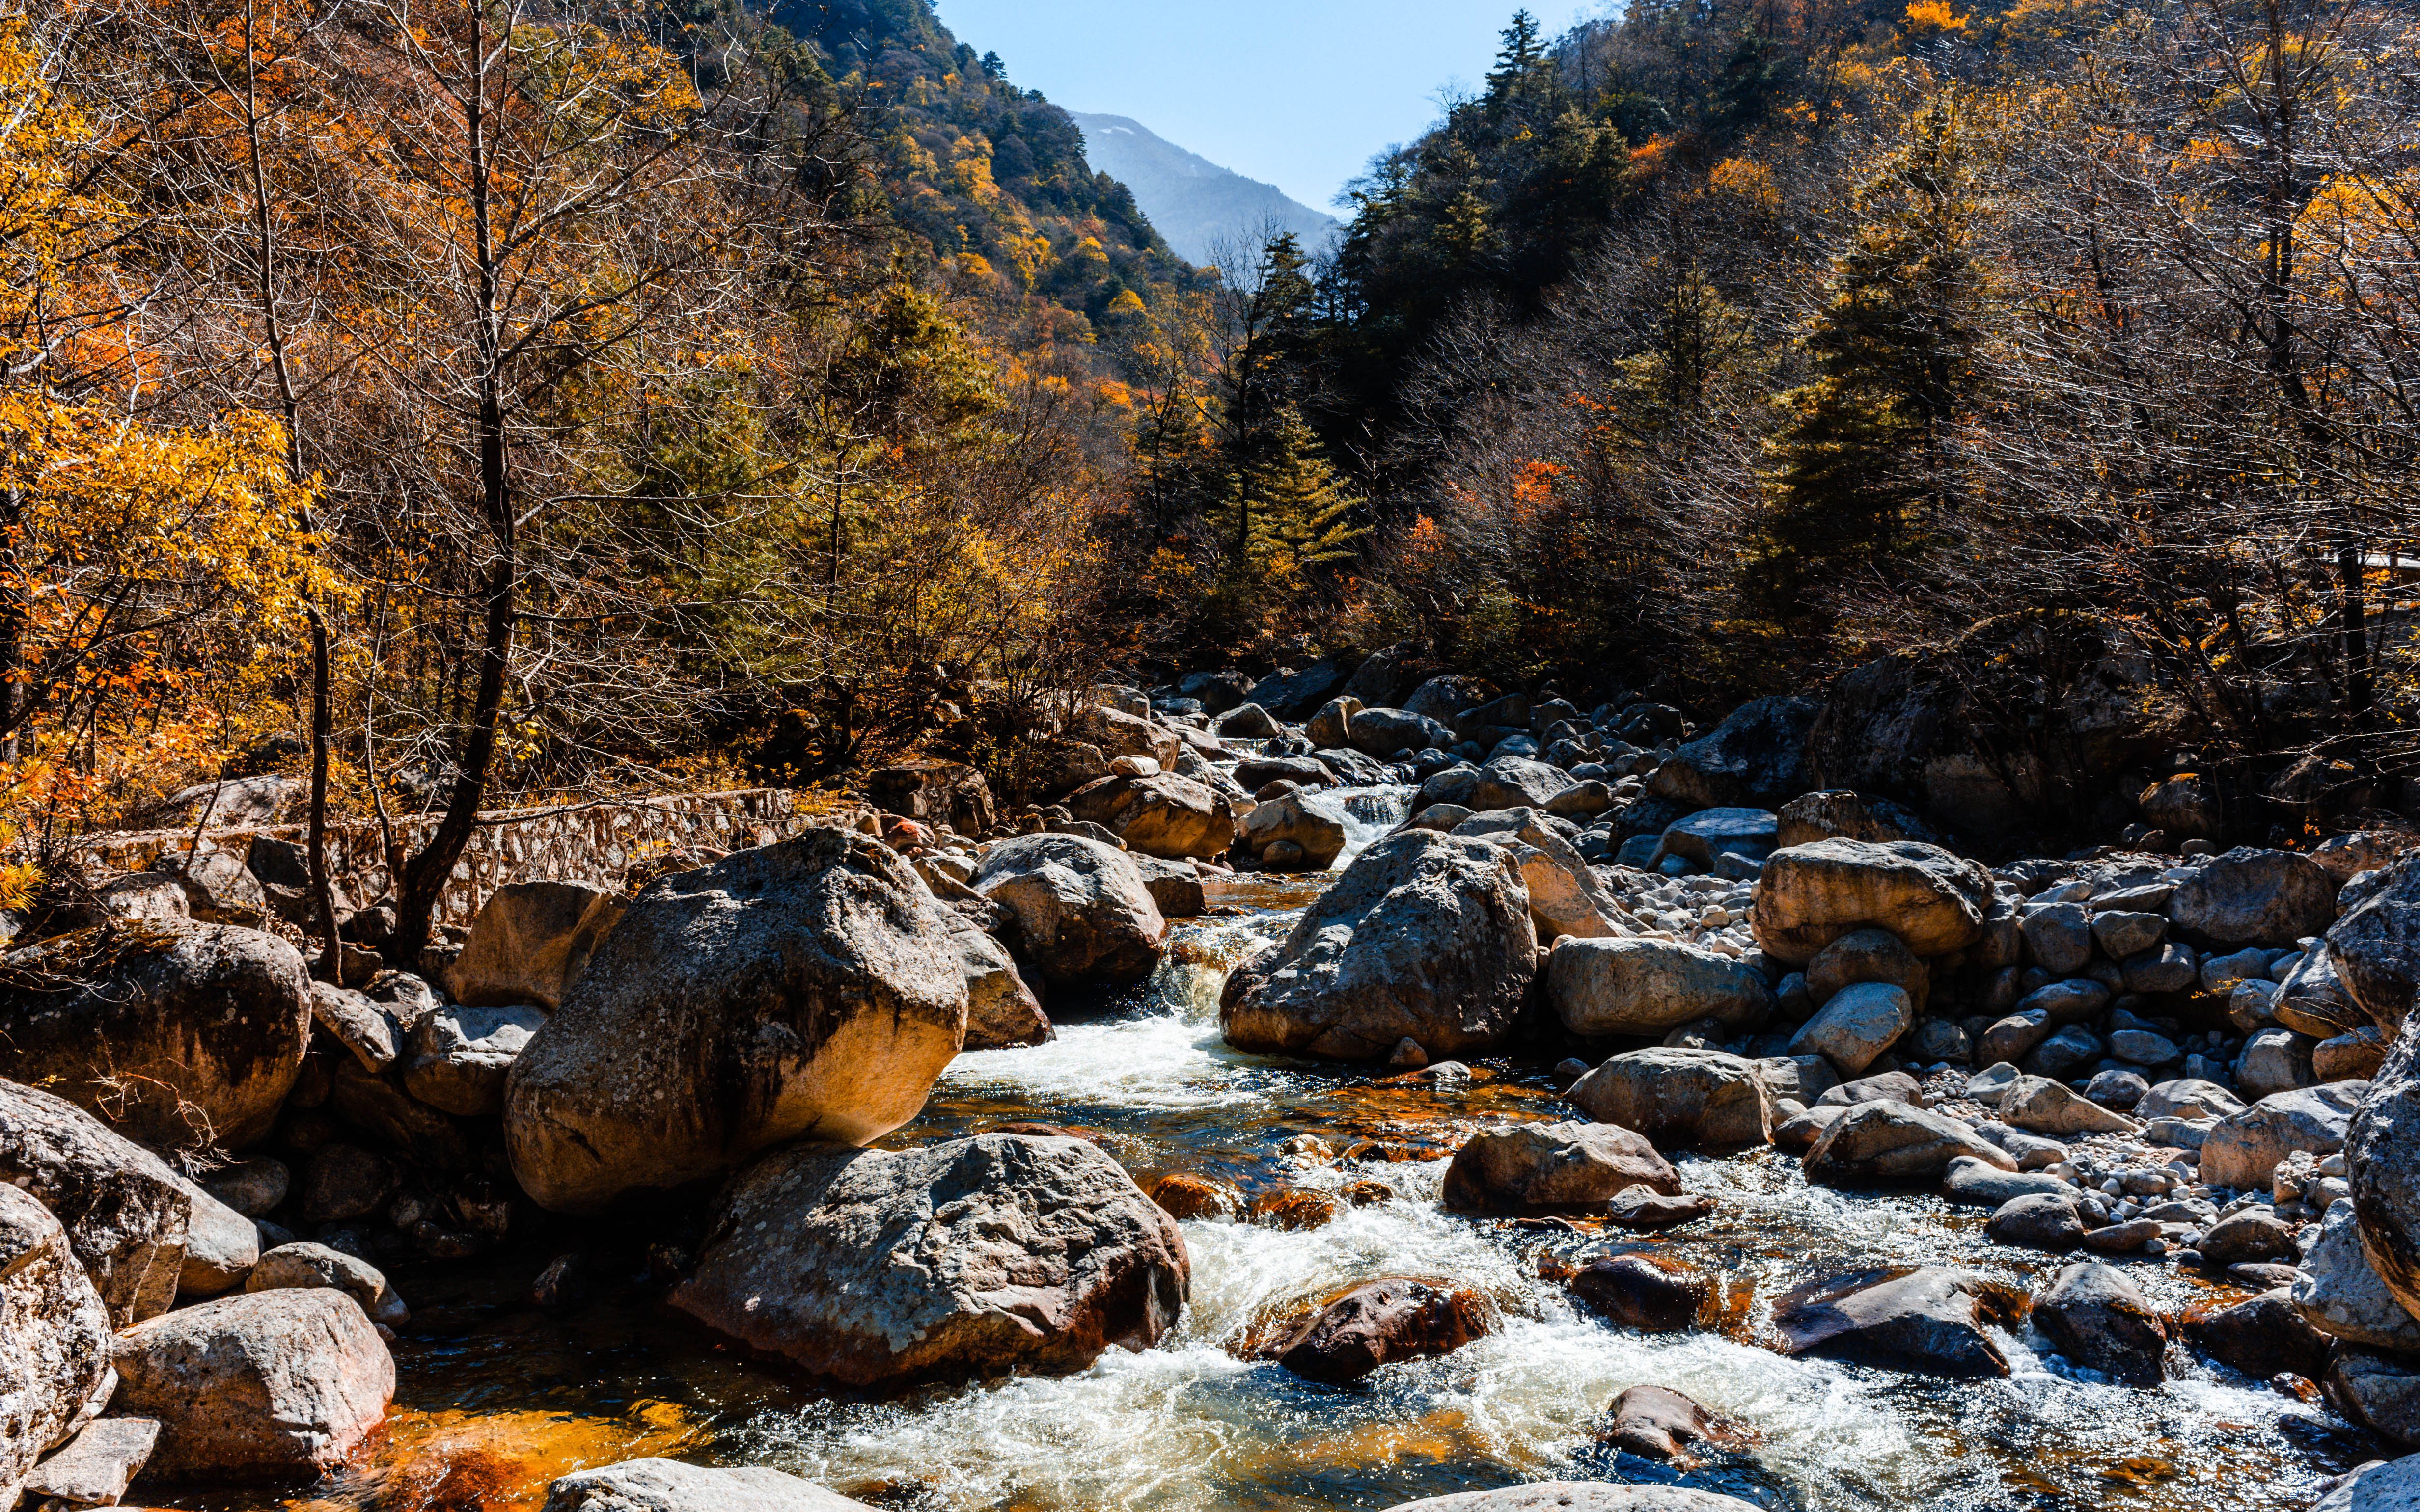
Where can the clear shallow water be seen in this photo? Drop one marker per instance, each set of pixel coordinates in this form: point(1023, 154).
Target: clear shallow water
point(496, 1397)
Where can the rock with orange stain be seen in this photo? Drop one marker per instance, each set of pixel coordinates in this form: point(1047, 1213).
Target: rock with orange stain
point(1294, 1209)
point(1658, 1423)
point(1554, 1168)
point(1194, 1197)
point(1383, 1323)
point(1652, 1294)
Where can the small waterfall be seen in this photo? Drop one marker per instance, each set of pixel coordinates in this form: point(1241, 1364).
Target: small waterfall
point(1370, 814)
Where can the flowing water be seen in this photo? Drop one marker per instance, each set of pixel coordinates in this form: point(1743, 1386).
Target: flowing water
point(496, 1397)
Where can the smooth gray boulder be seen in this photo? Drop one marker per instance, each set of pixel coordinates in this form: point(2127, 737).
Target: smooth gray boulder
point(1875, 1142)
point(1927, 1319)
point(1425, 936)
point(2375, 948)
point(1552, 1167)
point(2243, 1149)
point(1083, 911)
point(1698, 1097)
point(808, 989)
point(670, 1486)
point(97, 1466)
point(2254, 897)
point(872, 1268)
point(460, 1056)
point(1853, 1030)
point(1605, 988)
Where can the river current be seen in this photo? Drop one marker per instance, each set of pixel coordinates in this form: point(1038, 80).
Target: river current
point(496, 1397)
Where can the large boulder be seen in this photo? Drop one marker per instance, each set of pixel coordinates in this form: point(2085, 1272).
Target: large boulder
point(1380, 1323)
point(1162, 814)
point(2381, 1145)
point(671, 1486)
point(1313, 823)
point(1838, 814)
point(1809, 896)
point(1605, 988)
point(1709, 834)
point(2375, 946)
point(1566, 897)
point(1552, 1167)
point(530, 942)
point(54, 1339)
point(2097, 1318)
point(125, 1212)
point(1296, 694)
point(1083, 911)
point(1875, 1142)
point(1853, 1030)
point(1425, 936)
point(1001, 1009)
point(1755, 758)
point(870, 1268)
point(1679, 1097)
point(1931, 1319)
point(2254, 897)
point(2243, 1149)
point(460, 1056)
point(179, 1038)
point(1381, 732)
point(2341, 1294)
point(1515, 782)
point(261, 1386)
point(804, 990)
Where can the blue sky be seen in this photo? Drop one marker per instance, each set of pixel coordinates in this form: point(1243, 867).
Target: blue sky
point(1296, 92)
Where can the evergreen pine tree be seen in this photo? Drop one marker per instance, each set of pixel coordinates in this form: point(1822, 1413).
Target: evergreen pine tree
point(1292, 513)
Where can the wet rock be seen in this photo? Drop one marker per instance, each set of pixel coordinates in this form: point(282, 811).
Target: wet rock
point(1676, 1097)
point(54, 1361)
point(2254, 897)
point(2375, 947)
point(530, 942)
point(1002, 1010)
point(1424, 936)
point(2099, 1320)
point(1802, 1131)
point(306, 1266)
point(1853, 1030)
point(1581, 1496)
point(807, 989)
point(1610, 988)
point(125, 1212)
point(2251, 1237)
point(967, 1258)
point(2188, 1098)
point(2376, 1487)
point(461, 1056)
point(671, 1486)
point(1657, 1423)
point(1176, 887)
point(1083, 913)
point(2123, 1238)
point(1928, 1319)
point(1868, 955)
point(178, 1038)
point(2377, 1391)
point(271, 1385)
point(2041, 1221)
point(1195, 1197)
point(1381, 1323)
point(1894, 1142)
point(1652, 1294)
point(2047, 1107)
point(2259, 1337)
point(1640, 1209)
point(1809, 896)
point(2244, 1147)
point(1981, 1184)
point(1161, 814)
point(96, 1469)
point(1294, 1210)
point(2340, 1294)
point(1552, 1167)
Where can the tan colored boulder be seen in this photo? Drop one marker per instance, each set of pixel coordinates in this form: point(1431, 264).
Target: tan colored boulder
point(1002, 1010)
point(1612, 988)
point(530, 942)
point(808, 989)
point(1161, 814)
point(260, 1386)
point(1676, 1097)
point(1808, 896)
point(873, 1269)
point(1554, 1168)
point(178, 1038)
point(1314, 824)
point(53, 1340)
point(1896, 1142)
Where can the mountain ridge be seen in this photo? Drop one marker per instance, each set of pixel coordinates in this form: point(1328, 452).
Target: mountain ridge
point(1193, 203)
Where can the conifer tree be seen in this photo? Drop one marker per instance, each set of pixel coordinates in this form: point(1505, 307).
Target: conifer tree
point(1292, 509)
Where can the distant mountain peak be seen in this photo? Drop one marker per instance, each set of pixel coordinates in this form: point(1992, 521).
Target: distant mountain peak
point(1193, 203)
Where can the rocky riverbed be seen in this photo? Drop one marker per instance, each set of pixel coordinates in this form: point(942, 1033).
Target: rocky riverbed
point(1325, 1105)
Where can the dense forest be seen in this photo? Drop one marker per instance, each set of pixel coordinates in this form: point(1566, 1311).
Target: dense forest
point(465, 401)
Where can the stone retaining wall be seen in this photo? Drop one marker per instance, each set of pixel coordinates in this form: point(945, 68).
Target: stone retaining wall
point(596, 841)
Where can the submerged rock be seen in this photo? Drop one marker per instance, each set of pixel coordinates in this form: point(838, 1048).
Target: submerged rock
point(2259, 1337)
point(1425, 936)
point(803, 990)
point(874, 1269)
point(1652, 1294)
point(1658, 1423)
point(1382, 1324)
